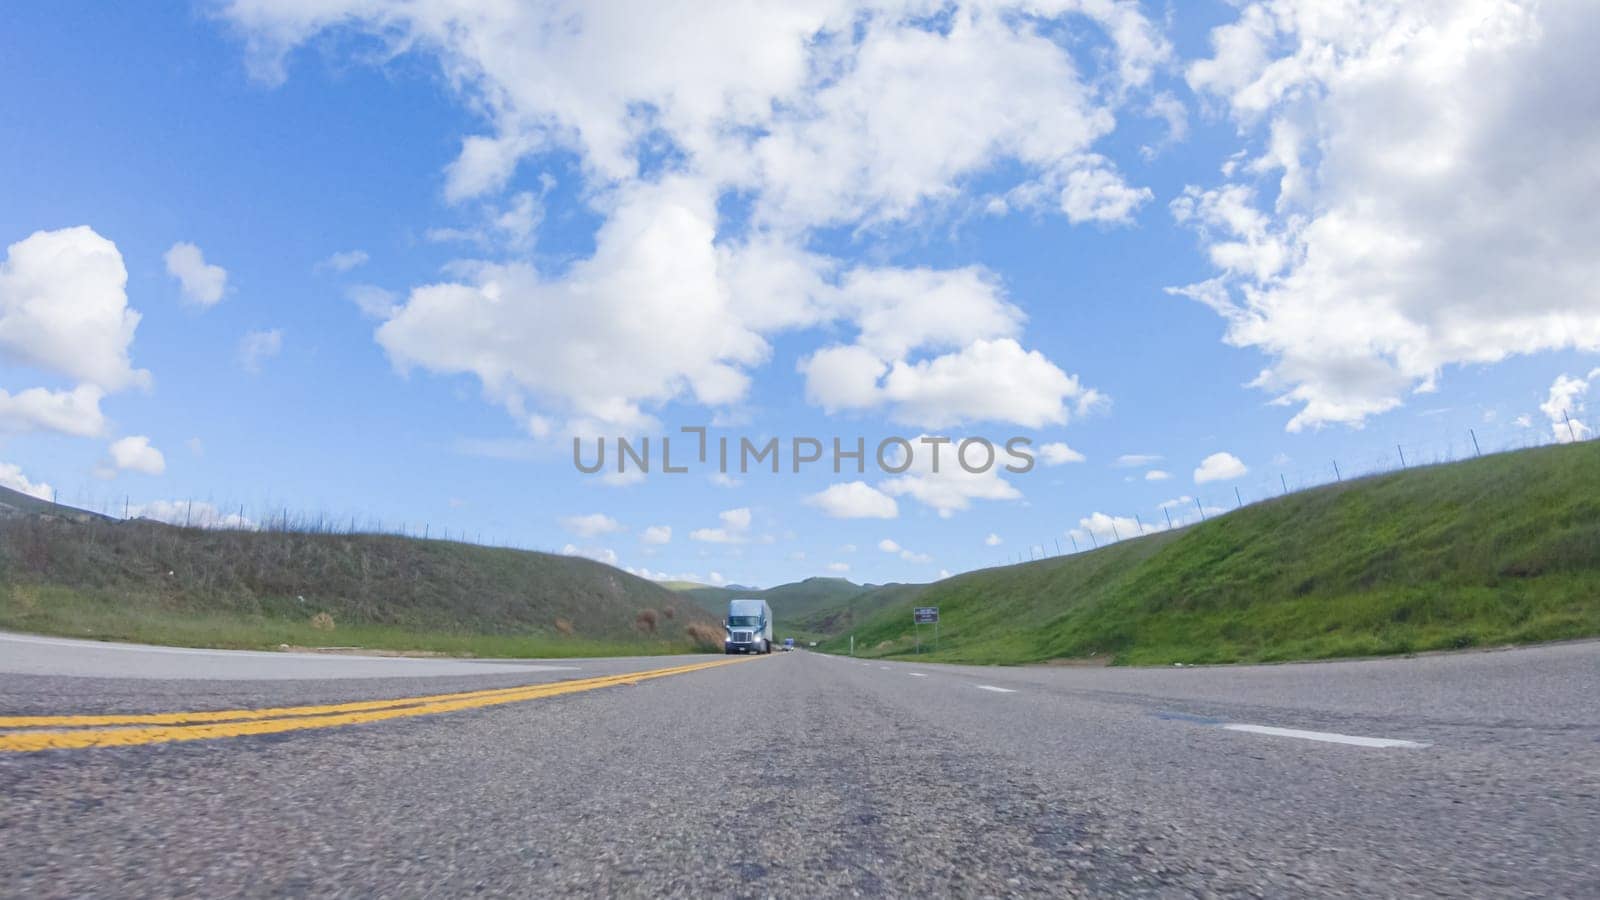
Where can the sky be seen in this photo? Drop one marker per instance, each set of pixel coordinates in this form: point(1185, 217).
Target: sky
point(382, 263)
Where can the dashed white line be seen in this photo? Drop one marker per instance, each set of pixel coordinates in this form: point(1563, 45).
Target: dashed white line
point(997, 690)
point(1327, 737)
point(885, 668)
point(918, 674)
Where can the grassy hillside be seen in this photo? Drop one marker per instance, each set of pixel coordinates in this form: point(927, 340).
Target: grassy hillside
point(63, 573)
point(793, 605)
point(1496, 550)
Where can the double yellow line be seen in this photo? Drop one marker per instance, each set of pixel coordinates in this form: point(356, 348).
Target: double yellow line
point(22, 734)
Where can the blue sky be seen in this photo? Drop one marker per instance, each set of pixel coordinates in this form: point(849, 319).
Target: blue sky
point(1124, 215)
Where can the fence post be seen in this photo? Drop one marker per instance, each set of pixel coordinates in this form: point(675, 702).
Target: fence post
point(1115, 538)
point(1570, 430)
point(1074, 543)
point(1092, 541)
point(1237, 496)
point(1140, 522)
point(1058, 546)
point(1285, 482)
point(1336, 475)
point(1201, 508)
point(1476, 451)
point(1402, 455)
point(1168, 513)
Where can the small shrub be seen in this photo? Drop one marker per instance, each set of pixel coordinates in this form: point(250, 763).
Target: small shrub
point(669, 612)
point(646, 621)
point(705, 637)
point(564, 626)
point(322, 622)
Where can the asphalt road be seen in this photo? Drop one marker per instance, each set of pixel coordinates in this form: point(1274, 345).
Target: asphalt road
point(799, 774)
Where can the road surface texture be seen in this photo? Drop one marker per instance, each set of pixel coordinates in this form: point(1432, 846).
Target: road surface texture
point(800, 774)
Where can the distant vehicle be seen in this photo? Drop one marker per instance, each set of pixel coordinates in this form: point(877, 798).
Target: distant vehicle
point(749, 626)
point(788, 643)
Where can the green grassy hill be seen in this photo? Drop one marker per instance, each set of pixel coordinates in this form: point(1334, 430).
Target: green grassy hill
point(794, 606)
point(65, 572)
point(1503, 549)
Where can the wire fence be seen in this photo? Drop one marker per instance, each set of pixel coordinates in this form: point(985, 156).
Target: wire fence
point(1284, 477)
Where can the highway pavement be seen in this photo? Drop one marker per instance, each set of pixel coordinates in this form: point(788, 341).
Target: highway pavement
point(1473, 774)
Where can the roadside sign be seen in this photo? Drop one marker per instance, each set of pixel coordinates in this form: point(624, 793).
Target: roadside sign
point(926, 615)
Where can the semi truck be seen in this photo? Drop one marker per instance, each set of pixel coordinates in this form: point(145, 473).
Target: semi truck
point(749, 626)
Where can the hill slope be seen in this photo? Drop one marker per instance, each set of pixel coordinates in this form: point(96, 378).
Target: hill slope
point(142, 580)
point(1494, 550)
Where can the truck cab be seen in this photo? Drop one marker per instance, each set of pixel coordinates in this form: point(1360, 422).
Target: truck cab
point(749, 626)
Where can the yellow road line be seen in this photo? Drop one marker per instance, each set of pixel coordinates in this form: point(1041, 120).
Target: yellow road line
point(282, 719)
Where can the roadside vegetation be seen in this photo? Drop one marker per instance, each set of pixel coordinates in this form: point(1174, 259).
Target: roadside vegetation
point(66, 572)
point(1499, 550)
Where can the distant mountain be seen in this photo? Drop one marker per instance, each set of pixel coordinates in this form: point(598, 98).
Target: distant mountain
point(791, 603)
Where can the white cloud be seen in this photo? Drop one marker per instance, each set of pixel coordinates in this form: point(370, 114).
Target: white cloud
point(854, 500)
point(196, 446)
point(203, 283)
point(1136, 460)
point(11, 476)
point(888, 546)
point(657, 534)
point(134, 454)
point(64, 309)
point(598, 554)
point(838, 568)
point(344, 261)
point(735, 524)
point(257, 347)
point(373, 301)
point(591, 525)
point(1058, 453)
point(1102, 527)
point(193, 513)
point(951, 489)
point(1157, 475)
point(1413, 225)
point(1565, 406)
point(1219, 467)
point(75, 412)
point(818, 116)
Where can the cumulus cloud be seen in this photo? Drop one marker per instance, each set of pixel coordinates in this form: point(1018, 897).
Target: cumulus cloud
point(256, 347)
point(657, 534)
point(75, 412)
point(838, 568)
point(1565, 406)
point(203, 283)
point(1136, 460)
point(64, 309)
point(591, 525)
point(1099, 528)
point(993, 540)
point(1056, 454)
point(1391, 218)
point(134, 454)
point(11, 476)
point(816, 117)
point(598, 554)
point(1219, 467)
point(854, 500)
point(951, 489)
point(1157, 475)
point(889, 546)
point(733, 530)
point(191, 513)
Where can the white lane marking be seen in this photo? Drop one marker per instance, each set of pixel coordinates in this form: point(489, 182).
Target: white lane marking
point(997, 690)
point(885, 668)
point(1324, 736)
point(918, 674)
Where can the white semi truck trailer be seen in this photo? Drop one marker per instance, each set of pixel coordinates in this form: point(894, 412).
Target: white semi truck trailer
point(749, 626)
